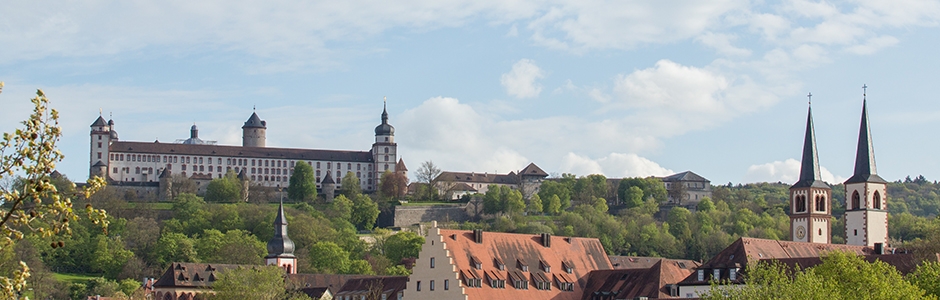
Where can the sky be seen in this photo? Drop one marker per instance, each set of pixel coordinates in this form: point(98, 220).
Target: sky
point(620, 88)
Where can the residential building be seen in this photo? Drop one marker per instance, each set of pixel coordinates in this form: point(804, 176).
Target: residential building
point(465, 264)
point(693, 188)
point(526, 180)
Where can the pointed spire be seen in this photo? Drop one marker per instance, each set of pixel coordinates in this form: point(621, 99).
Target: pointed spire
point(865, 170)
point(809, 170)
point(280, 244)
point(384, 110)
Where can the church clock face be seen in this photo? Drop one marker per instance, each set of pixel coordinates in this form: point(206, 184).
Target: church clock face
point(800, 232)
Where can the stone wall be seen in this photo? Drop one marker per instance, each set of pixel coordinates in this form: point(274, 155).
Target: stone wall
point(409, 215)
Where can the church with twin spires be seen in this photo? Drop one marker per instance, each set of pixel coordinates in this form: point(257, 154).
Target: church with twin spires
point(866, 212)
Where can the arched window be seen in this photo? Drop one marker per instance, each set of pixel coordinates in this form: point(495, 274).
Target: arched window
point(877, 200)
point(386, 149)
point(800, 203)
point(856, 201)
point(820, 203)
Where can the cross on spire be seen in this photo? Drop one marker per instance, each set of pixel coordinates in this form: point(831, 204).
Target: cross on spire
point(864, 91)
point(810, 97)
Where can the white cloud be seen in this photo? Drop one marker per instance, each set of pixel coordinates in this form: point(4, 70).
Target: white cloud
point(614, 165)
point(520, 82)
point(722, 43)
point(787, 171)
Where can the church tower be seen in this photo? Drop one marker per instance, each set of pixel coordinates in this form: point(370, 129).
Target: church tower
point(253, 131)
point(280, 247)
point(810, 213)
point(100, 141)
point(384, 151)
point(866, 211)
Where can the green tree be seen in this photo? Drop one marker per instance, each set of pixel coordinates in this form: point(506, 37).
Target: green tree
point(513, 201)
point(329, 258)
point(303, 185)
point(554, 205)
point(109, 256)
point(401, 245)
point(429, 174)
point(175, 247)
point(535, 204)
point(491, 200)
point(927, 277)
point(633, 197)
point(551, 188)
point(260, 282)
point(840, 276)
point(705, 205)
point(350, 186)
point(225, 189)
point(364, 212)
point(31, 151)
point(233, 247)
point(341, 208)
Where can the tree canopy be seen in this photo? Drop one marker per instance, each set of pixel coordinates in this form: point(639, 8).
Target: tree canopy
point(303, 185)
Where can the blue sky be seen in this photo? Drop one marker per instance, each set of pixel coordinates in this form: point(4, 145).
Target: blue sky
point(622, 88)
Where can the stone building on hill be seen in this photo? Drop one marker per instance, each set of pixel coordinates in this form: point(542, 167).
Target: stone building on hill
point(691, 186)
point(139, 164)
point(456, 184)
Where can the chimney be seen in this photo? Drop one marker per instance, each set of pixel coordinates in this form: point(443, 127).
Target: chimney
point(547, 240)
point(478, 236)
point(880, 248)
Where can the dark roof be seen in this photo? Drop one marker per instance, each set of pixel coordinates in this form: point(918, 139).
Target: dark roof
point(255, 122)
point(400, 166)
point(533, 170)
point(243, 174)
point(280, 245)
point(684, 176)
point(328, 179)
point(746, 250)
point(192, 274)
point(809, 170)
point(463, 187)
point(332, 281)
point(315, 293)
point(648, 282)
point(479, 177)
point(865, 153)
point(99, 164)
point(643, 262)
point(239, 151)
point(166, 173)
point(389, 285)
point(99, 122)
point(384, 128)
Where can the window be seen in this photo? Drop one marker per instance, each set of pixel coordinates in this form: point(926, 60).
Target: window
point(418, 286)
point(318, 165)
point(386, 166)
point(220, 161)
point(115, 171)
point(184, 167)
point(877, 200)
point(446, 284)
point(386, 159)
point(856, 232)
point(386, 150)
point(432, 264)
point(732, 274)
point(856, 200)
point(99, 155)
point(99, 144)
point(349, 166)
point(701, 275)
point(252, 162)
point(716, 274)
point(800, 203)
point(431, 286)
point(820, 203)
point(358, 166)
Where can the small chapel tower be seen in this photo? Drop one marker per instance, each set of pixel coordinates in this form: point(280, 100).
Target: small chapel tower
point(866, 211)
point(384, 151)
point(280, 247)
point(809, 212)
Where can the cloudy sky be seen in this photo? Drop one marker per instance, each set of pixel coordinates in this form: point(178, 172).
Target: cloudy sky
point(622, 88)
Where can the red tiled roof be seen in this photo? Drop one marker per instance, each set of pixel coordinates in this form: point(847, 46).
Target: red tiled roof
point(582, 254)
point(192, 274)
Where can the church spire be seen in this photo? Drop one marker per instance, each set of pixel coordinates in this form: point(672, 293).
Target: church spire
point(865, 154)
point(809, 170)
point(280, 244)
